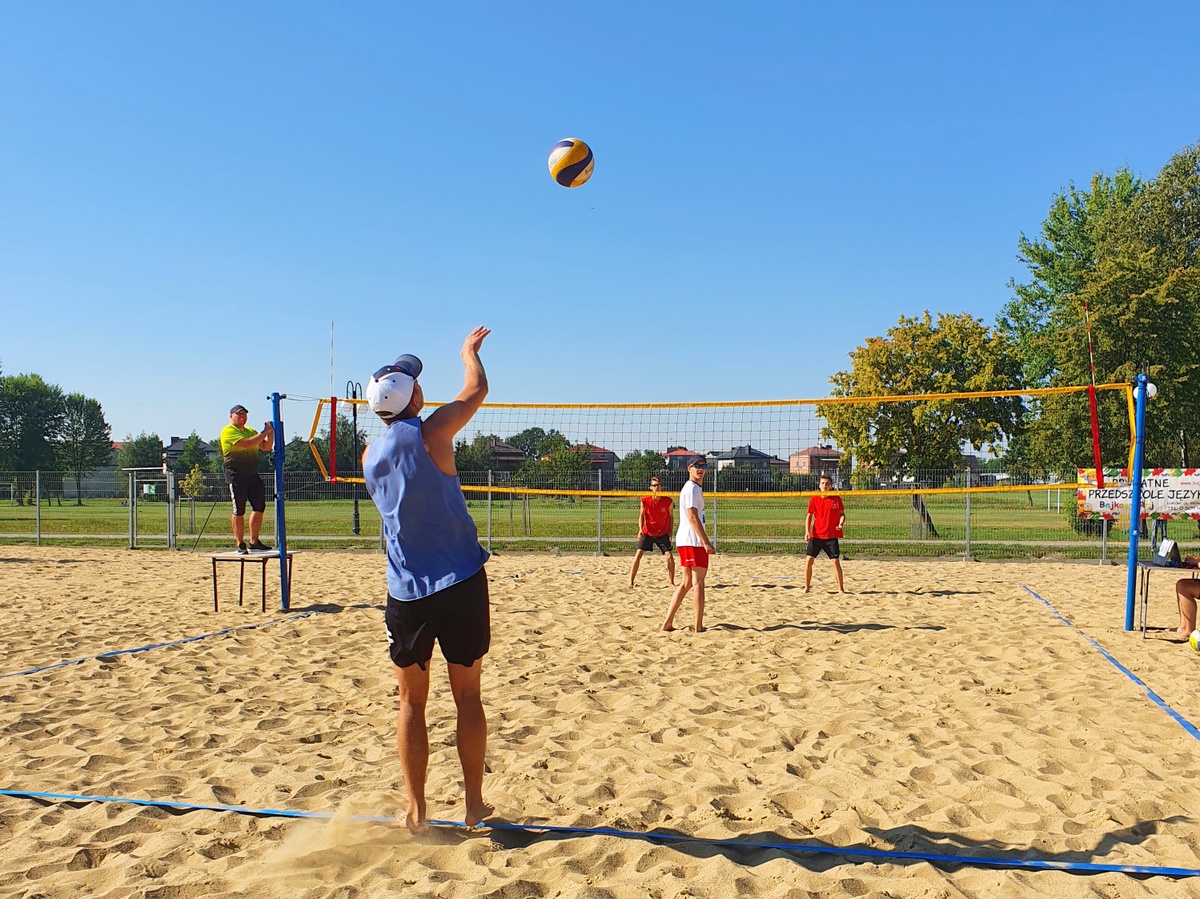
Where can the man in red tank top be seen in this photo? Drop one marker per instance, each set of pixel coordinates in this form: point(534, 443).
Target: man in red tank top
point(822, 529)
point(655, 523)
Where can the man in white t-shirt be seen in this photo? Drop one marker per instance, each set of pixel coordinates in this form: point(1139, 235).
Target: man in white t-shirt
point(693, 545)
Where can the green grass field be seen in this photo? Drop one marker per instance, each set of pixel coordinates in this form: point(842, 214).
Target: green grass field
point(1030, 524)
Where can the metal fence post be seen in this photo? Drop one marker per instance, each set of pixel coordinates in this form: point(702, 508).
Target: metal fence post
point(599, 513)
point(171, 529)
point(967, 545)
point(37, 504)
point(489, 512)
point(714, 504)
point(132, 513)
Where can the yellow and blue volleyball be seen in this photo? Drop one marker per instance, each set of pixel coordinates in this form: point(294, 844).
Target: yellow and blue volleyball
point(571, 162)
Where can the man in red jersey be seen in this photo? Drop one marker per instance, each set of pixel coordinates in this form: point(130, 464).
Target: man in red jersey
point(822, 529)
point(655, 522)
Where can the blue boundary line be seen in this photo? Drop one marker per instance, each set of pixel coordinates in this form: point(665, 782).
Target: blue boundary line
point(122, 652)
point(1154, 697)
point(854, 852)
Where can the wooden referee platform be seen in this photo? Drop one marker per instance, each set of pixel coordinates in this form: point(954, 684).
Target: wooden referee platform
point(260, 559)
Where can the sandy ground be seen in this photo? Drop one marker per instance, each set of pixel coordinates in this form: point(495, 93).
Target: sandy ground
point(936, 707)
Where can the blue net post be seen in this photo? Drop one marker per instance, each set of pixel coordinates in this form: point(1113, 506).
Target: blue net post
point(1135, 498)
point(285, 586)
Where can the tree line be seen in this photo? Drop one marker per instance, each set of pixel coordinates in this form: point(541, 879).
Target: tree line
point(44, 429)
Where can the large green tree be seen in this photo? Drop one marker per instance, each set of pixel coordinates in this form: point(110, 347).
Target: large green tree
point(31, 416)
point(143, 451)
point(1122, 254)
point(949, 354)
point(922, 437)
point(638, 466)
point(536, 442)
point(85, 439)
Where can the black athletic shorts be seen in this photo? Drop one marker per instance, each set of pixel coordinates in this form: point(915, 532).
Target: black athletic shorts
point(662, 541)
point(457, 618)
point(815, 545)
point(243, 488)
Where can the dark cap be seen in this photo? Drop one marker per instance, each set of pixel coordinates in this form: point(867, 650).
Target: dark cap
point(239, 408)
point(407, 364)
point(698, 462)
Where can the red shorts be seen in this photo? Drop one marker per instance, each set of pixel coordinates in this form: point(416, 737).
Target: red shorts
point(693, 556)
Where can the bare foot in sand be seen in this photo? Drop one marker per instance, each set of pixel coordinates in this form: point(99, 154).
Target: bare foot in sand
point(415, 823)
point(477, 812)
point(1178, 636)
point(667, 628)
point(807, 589)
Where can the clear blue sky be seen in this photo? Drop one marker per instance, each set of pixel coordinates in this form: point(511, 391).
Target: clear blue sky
point(190, 192)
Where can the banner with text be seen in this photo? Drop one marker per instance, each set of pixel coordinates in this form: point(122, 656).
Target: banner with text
point(1166, 493)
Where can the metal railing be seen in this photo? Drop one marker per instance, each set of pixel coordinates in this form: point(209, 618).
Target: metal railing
point(596, 512)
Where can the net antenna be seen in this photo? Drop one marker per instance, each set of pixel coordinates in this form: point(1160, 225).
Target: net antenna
point(1087, 318)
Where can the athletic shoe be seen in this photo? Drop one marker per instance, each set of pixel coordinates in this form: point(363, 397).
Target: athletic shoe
point(259, 547)
point(242, 550)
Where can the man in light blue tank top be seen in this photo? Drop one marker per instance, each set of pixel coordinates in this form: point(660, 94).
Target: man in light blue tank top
point(437, 583)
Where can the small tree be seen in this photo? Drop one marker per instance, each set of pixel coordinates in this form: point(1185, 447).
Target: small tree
point(195, 484)
point(85, 440)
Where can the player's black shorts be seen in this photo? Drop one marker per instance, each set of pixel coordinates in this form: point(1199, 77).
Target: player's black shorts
point(247, 488)
point(815, 545)
point(662, 541)
point(457, 618)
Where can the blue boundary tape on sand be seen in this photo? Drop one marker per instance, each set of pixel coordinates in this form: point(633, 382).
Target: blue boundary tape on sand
point(122, 652)
point(852, 852)
point(1154, 697)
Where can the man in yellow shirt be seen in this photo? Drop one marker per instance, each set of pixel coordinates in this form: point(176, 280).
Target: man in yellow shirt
point(240, 447)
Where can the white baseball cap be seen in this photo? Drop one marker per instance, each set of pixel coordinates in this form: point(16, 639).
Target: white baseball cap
point(390, 389)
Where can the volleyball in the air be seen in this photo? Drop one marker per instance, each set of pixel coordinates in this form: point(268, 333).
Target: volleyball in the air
point(571, 162)
point(1194, 640)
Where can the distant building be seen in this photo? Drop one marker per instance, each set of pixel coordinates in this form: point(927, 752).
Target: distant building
point(816, 460)
point(603, 461)
point(505, 457)
point(172, 450)
point(748, 457)
point(678, 458)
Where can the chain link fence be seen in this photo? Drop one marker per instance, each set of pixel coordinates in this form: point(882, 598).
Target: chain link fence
point(585, 513)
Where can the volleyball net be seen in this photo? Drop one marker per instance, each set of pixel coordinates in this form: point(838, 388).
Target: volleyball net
point(756, 449)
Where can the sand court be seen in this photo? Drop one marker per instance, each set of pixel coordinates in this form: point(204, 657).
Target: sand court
point(935, 708)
